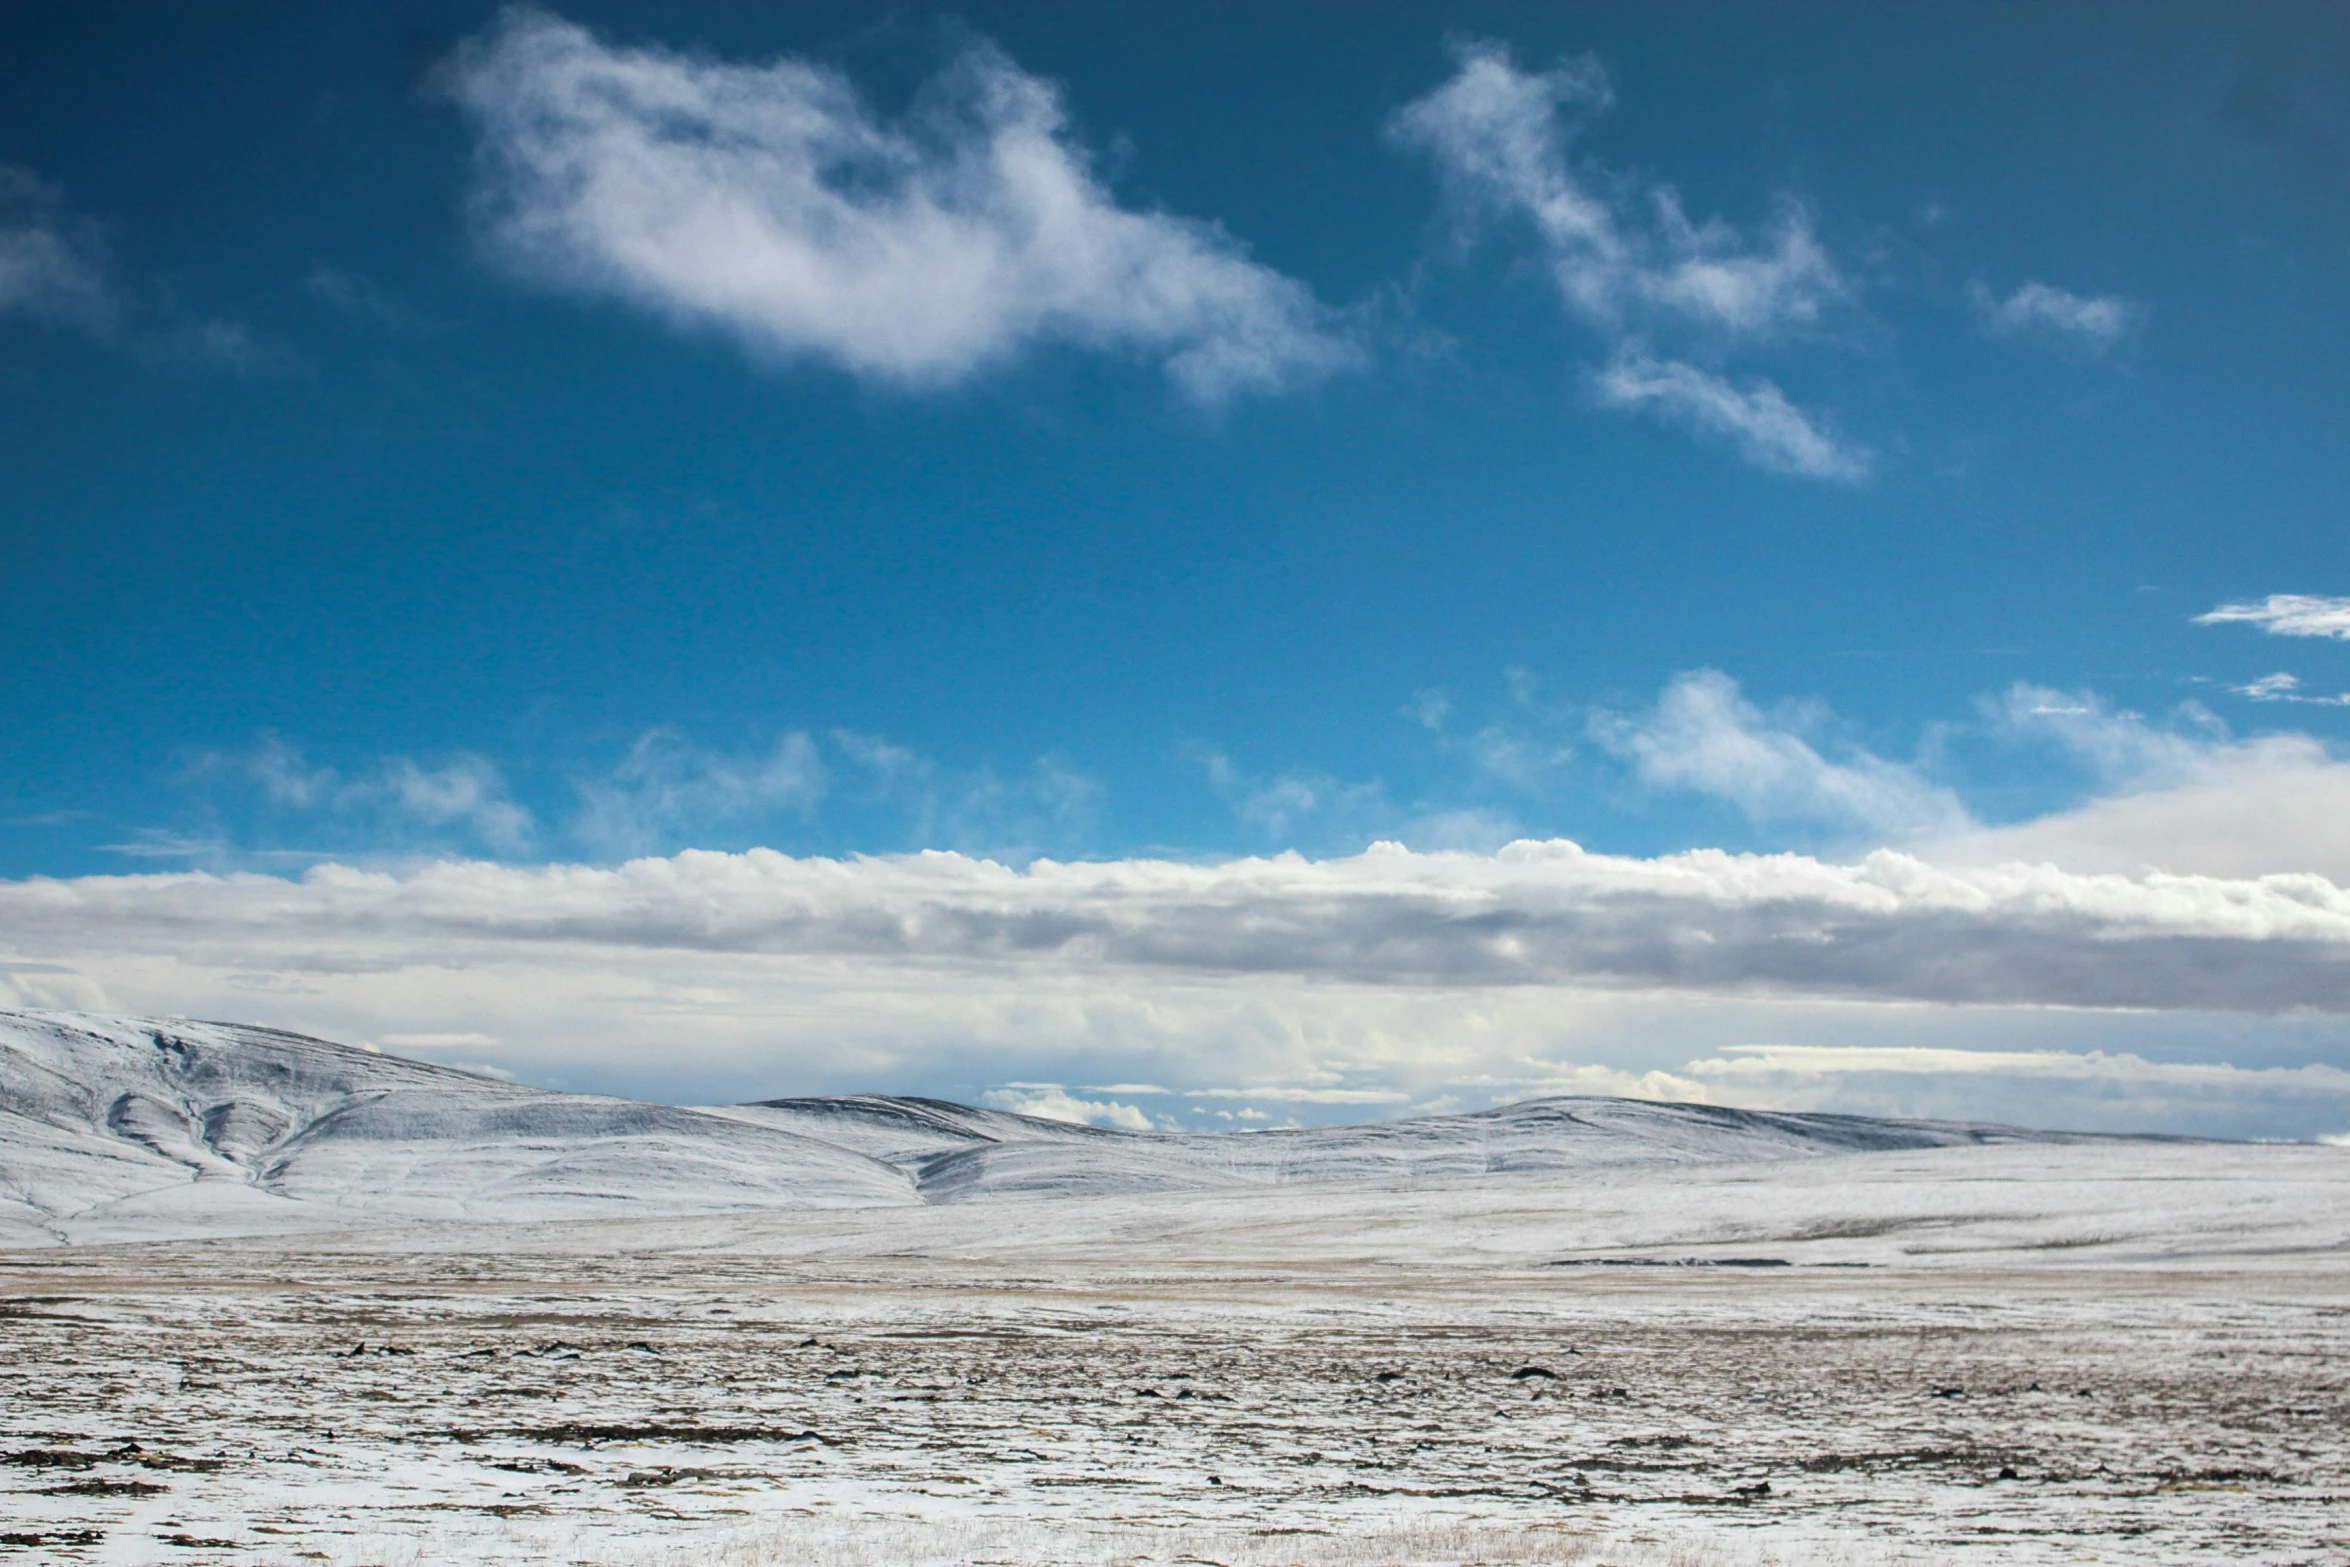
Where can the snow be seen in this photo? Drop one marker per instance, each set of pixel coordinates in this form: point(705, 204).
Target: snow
point(366, 1310)
point(126, 1129)
point(130, 1129)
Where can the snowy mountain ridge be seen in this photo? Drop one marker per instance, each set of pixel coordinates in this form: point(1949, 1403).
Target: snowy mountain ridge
point(128, 1128)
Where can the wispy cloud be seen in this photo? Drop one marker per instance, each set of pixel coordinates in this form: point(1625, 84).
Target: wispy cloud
point(2286, 615)
point(1629, 261)
point(2123, 749)
point(53, 267)
point(1500, 138)
point(2282, 687)
point(397, 799)
point(1703, 735)
point(468, 792)
point(56, 269)
point(1049, 807)
point(1755, 416)
point(359, 299)
point(2029, 1087)
point(1288, 806)
point(1305, 1096)
point(1915, 1060)
point(2092, 322)
point(667, 788)
point(769, 202)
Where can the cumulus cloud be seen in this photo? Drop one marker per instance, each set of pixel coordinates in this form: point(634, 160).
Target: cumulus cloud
point(2287, 615)
point(1629, 261)
point(1703, 735)
point(771, 203)
point(2093, 322)
point(1755, 416)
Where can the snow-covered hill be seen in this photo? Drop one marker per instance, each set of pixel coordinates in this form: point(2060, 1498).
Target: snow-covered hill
point(116, 1128)
point(123, 1128)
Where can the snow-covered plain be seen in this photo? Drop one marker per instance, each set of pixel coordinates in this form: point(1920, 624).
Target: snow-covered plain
point(317, 1304)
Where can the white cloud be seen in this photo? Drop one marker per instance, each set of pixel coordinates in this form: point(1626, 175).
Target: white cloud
point(1429, 709)
point(2272, 806)
point(1703, 735)
point(1330, 989)
point(2287, 615)
point(459, 1041)
point(769, 202)
point(1768, 430)
point(467, 795)
point(1051, 1102)
point(1050, 806)
point(2281, 687)
point(359, 299)
point(468, 792)
point(1914, 1060)
point(1889, 927)
point(1501, 145)
point(667, 787)
point(205, 345)
point(1305, 1096)
point(55, 269)
point(52, 268)
point(2062, 1088)
point(2094, 322)
point(2188, 798)
point(1629, 261)
point(1287, 806)
point(2121, 747)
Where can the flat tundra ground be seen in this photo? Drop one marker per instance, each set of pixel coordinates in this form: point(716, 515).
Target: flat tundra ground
point(1309, 1379)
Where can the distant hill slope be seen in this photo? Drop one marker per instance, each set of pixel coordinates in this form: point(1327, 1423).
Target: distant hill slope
point(122, 1128)
point(958, 1154)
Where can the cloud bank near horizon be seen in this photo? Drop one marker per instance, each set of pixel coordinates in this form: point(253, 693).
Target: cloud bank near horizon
point(1256, 989)
point(1890, 927)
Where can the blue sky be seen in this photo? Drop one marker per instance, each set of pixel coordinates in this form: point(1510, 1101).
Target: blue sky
point(1151, 437)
